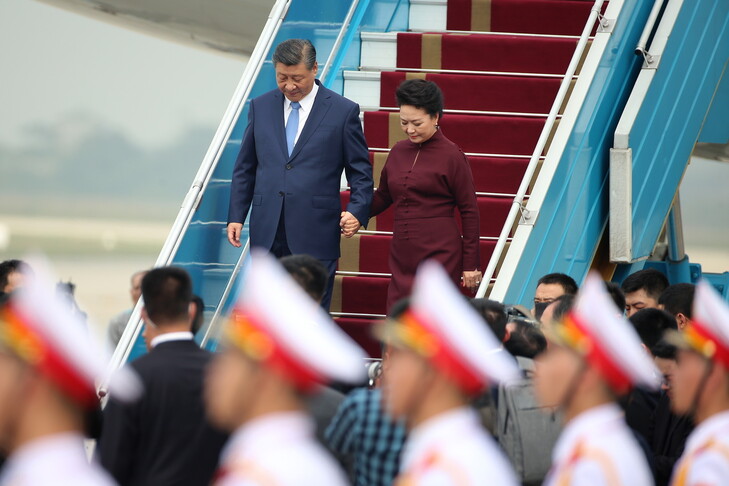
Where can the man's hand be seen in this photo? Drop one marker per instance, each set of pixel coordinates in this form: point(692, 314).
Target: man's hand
point(234, 230)
point(349, 224)
point(472, 280)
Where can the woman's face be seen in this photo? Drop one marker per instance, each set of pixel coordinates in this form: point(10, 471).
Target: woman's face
point(417, 124)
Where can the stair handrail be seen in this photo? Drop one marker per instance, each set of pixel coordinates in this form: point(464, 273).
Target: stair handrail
point(204, 173)
point(212, 329)
point(642, 47)
point(338, 42)
point(517, 206)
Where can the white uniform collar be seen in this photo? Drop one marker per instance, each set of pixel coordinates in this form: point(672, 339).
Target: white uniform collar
point(172, 336)
point(48, 460)
point(431, 434)
point(589, 423)
point(716, 425)
point(307, 102)
point(275, 428)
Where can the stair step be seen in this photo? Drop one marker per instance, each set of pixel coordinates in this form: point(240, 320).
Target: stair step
point(428, 15)
point(485, 52)
point(492, 214)
point(366, 295)
point(561, 17)
point(370, 253)
point(511, 135)
point(480, 93)
point(360, 329)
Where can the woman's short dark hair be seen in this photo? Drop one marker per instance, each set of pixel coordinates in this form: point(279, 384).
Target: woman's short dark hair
point(421, 94)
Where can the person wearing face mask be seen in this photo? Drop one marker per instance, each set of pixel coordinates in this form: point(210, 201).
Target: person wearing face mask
point(425, 178)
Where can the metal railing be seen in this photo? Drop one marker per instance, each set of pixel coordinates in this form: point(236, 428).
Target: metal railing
point(517, 207)
point(202, 178)
point(650, 26)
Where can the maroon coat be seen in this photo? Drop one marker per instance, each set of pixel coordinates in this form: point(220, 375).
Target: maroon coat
point(425, 183)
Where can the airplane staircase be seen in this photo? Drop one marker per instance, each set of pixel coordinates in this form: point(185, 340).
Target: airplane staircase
point(500, 69)
point(534, 90)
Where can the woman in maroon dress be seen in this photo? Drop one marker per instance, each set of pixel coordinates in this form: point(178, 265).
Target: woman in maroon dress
point(425, 178)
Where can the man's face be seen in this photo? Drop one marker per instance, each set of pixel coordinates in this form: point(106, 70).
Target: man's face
point(667, 367)
point(229, 386)
point(149, 332)
point(546, 293)
point(687, 378)
point(555, 371)
point(135, 291)
point(402, 381)
point(15, 281)
point(295, 82)
point(638, 300)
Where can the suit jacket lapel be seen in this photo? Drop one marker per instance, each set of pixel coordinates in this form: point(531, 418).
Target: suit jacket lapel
point(318, 113)
point(278, 122)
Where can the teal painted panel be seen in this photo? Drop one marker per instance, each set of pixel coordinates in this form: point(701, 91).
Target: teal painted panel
point(574, 214)
point(670, 118)
point(716, 126)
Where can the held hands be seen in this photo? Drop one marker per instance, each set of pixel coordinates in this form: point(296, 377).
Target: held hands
point(349, 224)
point(234, 230)
point(471, 280)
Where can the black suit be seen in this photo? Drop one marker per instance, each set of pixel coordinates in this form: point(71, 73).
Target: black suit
point(163, 439)
point(668, 439)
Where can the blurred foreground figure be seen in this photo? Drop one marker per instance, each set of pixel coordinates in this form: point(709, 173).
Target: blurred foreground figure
point(701, 388)
point(442, 356)
point(279, 346)
point(594, 357)
point(48, 370)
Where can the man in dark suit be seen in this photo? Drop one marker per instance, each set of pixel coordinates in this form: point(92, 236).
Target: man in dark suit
point(164, 438)
point(299, 139)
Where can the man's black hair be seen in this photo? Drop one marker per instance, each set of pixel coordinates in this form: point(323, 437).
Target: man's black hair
point(7, 267)
point(309, 273)
point(167, 293)
point(567, 283)
point(562, 305)
point(526, 340)
point(295, 51)
point(651, 324)
point(650, 280)
point(494, 314)
point(616, 293)
point(678, 298)
point(664, 350)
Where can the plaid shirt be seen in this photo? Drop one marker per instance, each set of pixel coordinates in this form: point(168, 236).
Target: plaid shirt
point(361, 429)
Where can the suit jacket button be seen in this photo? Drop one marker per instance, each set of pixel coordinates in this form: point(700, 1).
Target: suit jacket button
point(281, 193)
point(289, 166)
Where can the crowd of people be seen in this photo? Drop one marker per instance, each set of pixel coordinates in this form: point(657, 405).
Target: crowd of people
point(641, 393)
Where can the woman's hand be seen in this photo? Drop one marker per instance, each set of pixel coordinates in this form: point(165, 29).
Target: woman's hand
point(471, 280)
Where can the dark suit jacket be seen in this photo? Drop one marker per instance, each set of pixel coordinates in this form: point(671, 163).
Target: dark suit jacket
point(668, 439)
point(265, 176)
point(163, 439)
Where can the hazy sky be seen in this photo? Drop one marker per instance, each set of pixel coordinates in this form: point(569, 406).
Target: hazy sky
point(55, 63)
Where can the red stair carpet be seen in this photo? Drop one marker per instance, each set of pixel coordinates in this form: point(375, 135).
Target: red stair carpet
point(494, 70)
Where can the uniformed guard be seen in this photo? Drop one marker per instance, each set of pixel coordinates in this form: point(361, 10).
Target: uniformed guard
point(442, 355)
point(279, 345)
point(701, 388)
point(594, 357)
point(48, 369)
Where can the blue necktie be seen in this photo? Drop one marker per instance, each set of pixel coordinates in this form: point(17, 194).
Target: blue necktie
point(292, 126)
